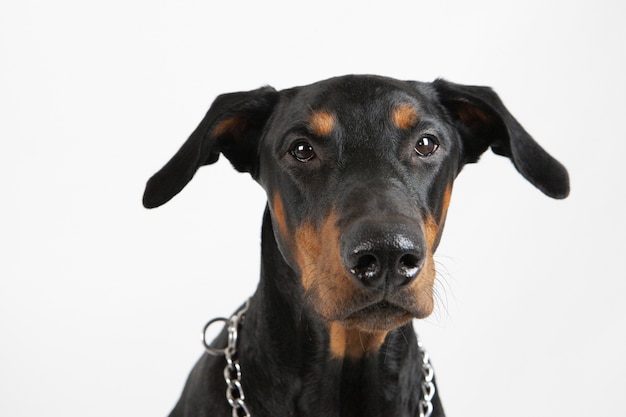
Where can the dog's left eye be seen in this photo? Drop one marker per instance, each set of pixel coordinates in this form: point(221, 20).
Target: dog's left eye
point(302, 151)
point(426, 146)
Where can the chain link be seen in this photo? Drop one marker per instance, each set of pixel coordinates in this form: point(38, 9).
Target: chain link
point(428, 386)
point(232, 372)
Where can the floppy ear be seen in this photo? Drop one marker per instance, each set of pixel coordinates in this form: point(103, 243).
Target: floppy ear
point(232, 126)
point(483, 121)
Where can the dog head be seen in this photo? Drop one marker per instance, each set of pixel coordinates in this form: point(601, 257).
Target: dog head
point(358, 172)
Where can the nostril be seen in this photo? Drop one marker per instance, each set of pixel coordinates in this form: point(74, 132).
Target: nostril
point(382, 257)
point(367, 268)
point(408, 266)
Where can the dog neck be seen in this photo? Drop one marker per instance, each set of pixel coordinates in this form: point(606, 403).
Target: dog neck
point(286, 360)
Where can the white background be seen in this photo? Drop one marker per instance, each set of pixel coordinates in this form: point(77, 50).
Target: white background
point(101, 301)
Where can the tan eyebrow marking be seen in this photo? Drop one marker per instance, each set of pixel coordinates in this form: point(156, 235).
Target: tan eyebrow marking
point(322, 123)
point(404, 116)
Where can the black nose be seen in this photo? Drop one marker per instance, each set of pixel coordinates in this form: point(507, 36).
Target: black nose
point(380, 255)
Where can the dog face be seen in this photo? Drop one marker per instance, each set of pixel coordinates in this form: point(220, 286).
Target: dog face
point(358, 172)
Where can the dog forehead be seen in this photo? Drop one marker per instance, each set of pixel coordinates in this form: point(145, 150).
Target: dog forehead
point(350, 98)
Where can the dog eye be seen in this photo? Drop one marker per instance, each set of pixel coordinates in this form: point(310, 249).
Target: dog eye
point(426, 146)
point(302, 151)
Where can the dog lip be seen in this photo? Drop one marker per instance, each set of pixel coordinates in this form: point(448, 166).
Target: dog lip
point(380, 310)
point(381, 315)
point(378, 307)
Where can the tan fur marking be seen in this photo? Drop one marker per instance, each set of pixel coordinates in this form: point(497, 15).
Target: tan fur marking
point(307, 252)
point(404, 116)
point(322, 123)
point(472, 115)
point(325, 280)
point(353, 343)
point(446, 202)
point(234, 125)
point(431, 229)
point(279, 214)
point(421, 288)
point(323, 277)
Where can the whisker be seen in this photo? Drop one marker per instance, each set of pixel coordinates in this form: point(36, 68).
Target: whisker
point(441, 290)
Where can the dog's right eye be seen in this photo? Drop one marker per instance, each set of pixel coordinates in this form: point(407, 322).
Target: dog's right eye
point(426, 146)
point(302, 151)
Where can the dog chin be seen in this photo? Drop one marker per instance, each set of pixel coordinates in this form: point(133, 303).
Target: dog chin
point(378, 317)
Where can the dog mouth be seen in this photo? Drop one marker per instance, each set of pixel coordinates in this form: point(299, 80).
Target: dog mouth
point(378, 316)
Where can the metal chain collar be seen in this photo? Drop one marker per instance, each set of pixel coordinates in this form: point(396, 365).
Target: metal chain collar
point(232, 371)
point(428, 386)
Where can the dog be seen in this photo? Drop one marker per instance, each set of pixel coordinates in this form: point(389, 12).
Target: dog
point(358, 172)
